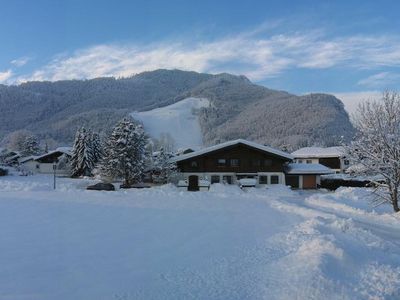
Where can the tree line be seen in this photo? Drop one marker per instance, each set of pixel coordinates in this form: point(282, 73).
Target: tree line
point(124, 155)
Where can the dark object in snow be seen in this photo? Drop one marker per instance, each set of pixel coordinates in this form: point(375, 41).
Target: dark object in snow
point(335, 183)
point(101, 186)
point(135, 186)
point(3, 172)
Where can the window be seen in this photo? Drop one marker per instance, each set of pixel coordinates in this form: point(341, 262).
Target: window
point(300, 161)
point(227, 179)
point(267, 162)
point(263, 179)
point(194, 164)
point(234, 162)
point(274, 179)
point(221, 162)
point(214, 179)
point(309, 161)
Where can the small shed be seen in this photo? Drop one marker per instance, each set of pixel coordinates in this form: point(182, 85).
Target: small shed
point(305, 176)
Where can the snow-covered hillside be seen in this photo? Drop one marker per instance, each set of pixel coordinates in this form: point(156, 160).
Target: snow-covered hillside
point(177, 120)
point(161, 243)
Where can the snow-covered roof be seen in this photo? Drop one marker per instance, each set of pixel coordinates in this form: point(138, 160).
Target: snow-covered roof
point(64, 150)
point(317, 169)
point(316, 152)
point(26, 158)
point(182, 151)
point(232, 143)
point(12, 157)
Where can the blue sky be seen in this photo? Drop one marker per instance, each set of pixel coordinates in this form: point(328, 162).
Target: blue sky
point(298, 46)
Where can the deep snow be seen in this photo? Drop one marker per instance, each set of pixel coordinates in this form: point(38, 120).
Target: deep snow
point(162, 243)
point(177, 120)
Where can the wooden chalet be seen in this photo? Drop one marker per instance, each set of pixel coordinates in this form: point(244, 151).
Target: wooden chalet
point(237, 161)
point(231, 161)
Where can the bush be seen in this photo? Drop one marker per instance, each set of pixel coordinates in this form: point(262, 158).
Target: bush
point(3, 172)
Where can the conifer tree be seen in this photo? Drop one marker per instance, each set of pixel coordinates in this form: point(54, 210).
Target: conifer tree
point(124, 156)
point(97, 147)
point(164, 169)
point(83, 159)
point(30, 146)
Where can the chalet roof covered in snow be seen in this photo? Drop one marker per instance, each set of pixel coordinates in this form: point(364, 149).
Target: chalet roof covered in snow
point(11, 156)
point(26, 159)
point(61, 150)
point(316, 152)
point(315, 169)
point(233, 143)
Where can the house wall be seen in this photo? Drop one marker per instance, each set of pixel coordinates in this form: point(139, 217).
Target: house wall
point(335, 163)
point(30, 166)
point(47, 168)
point(43, 168)
point(207, 176)
point(307, 160)
point(250, 161)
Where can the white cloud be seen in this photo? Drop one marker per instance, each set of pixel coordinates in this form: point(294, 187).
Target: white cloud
point(5, 76)
point(380, 80)
point(257, 54)
point(351, 100)
point(19, 62)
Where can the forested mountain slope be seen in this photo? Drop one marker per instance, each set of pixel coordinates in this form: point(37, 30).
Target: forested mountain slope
point(239, 108)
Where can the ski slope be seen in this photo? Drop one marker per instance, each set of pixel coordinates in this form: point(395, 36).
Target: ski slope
point(177, 120)
point(161, 243)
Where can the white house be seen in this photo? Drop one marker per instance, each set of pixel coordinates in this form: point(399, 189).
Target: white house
point(43, 164)
point(331, 157)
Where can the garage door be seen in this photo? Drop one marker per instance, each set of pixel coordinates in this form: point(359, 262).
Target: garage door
point(293, 181)
point(309, 182)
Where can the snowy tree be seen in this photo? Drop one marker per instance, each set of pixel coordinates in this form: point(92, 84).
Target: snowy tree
point(164, 169)
point(16, 141)
point(377, 145)
point(30, 146)
point(84, 156)
point(165, 141)
point(97, 147)
point(124, 156)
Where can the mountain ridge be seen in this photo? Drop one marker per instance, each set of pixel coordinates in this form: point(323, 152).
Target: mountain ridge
point(56, 109)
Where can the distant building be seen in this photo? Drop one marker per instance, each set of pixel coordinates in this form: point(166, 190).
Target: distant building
point(331, 157)
point(43, 164)
point(232, 161)
point(9, 158)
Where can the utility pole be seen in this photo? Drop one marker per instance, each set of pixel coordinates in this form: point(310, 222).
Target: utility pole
point(54, 173)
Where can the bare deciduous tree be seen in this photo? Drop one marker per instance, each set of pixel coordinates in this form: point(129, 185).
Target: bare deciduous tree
point(376, 147)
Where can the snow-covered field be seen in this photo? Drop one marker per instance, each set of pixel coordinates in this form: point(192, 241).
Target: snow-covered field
point(177, 120)
point(161, 243)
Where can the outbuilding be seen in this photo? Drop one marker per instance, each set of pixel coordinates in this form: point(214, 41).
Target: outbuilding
point(331, 157)
point(305, 176)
